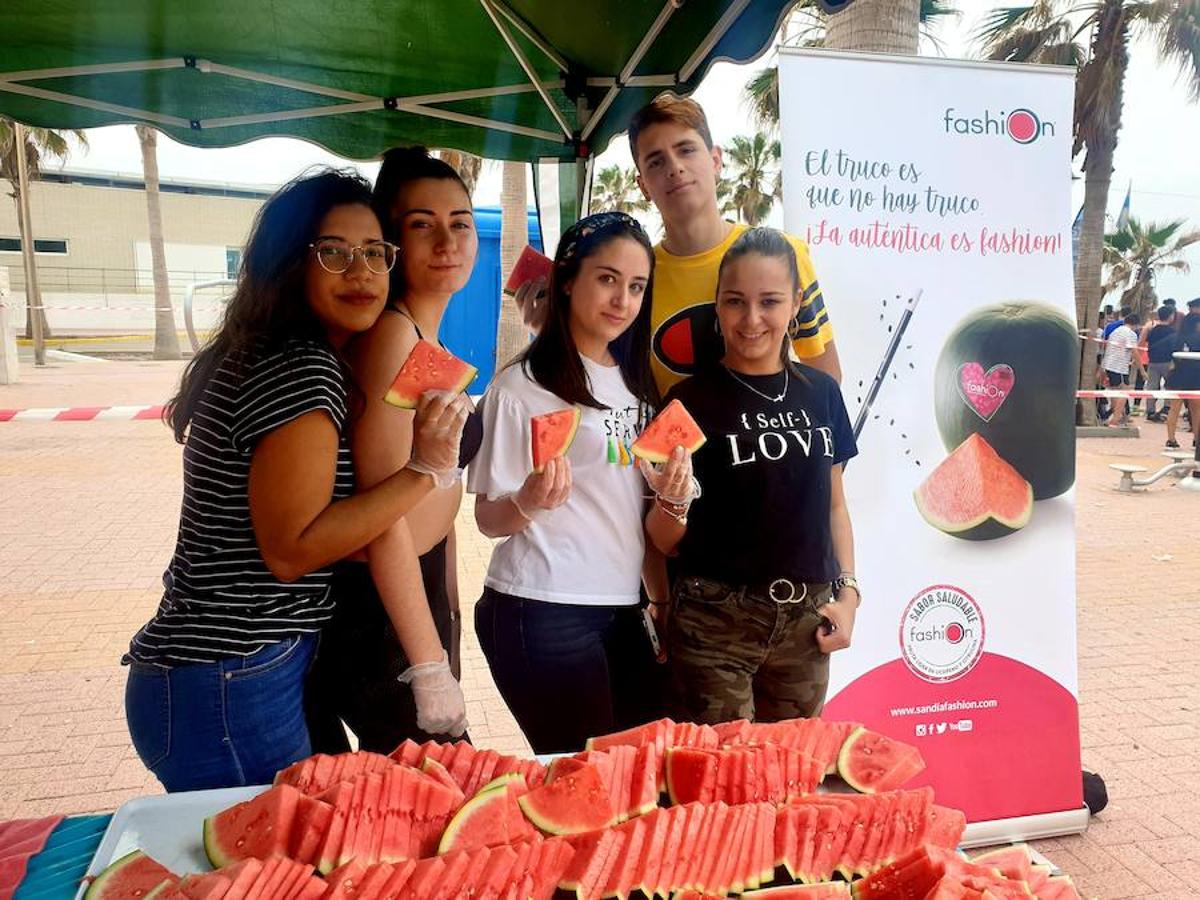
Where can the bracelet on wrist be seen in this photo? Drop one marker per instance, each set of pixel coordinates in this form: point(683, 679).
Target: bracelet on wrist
point(678, 512)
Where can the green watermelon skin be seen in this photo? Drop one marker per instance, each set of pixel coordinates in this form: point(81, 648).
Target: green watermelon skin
point(1034, 428)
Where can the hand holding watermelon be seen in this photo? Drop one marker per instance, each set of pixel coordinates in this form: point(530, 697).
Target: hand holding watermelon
point(545, 489)
point(437, 431)
point(673, 480)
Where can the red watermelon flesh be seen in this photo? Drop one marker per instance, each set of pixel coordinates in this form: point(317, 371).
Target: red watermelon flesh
point(344, 881)
point(830, 834)
point(426, 877)
point(1038, 876)
point(716, 848)
point(256, 828)
point(949, 888)
point(309, 827)
point(209, 886)
point(553, 858)
point(129, 877)
point(354, 820)
point(657, 824)
point(1013, 862)
point(266, 879)
point(691, 775)
point(409, 753)
point(590, 861)
point(911, 876)
point(571, 804)
point(684, 871)
point(241, 876)
point(802, 828)
point(428, 368)
point(551, 435)
point(489, 819)
point(870, 761)
point(829, 890)
point(438, 773)
point(530, 265)
point(1059, 887)
point(619, 880)
point(975, 494)
point(562, 765)
point(374, 881)
point(397, 886)
point(671, 428)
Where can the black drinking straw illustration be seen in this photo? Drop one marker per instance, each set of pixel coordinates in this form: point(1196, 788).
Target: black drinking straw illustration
point(885, 364)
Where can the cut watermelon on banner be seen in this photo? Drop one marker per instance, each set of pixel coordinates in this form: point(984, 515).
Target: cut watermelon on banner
point(429, 368)
point(974, 494)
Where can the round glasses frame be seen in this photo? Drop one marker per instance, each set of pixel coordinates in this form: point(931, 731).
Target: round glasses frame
point(340, 257)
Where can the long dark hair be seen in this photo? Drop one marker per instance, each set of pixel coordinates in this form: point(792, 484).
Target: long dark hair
point(402, 166)
point(771, 243)
point(268, 307)
point(552, 360)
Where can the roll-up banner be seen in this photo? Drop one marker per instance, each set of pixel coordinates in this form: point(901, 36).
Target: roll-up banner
point(935, 198)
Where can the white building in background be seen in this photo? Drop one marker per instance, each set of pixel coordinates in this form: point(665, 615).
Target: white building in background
point(92, 242)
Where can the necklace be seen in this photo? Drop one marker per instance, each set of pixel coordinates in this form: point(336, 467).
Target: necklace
point(776, 399)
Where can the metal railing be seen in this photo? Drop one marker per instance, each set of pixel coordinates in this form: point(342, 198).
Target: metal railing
point(104, 281)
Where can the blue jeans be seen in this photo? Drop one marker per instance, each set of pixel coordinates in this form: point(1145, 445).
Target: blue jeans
point(568, 672)
point(224, 724)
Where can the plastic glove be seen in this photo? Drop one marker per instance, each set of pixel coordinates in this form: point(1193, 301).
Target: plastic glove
point(441, 707)
point(437, 431)
point(673, 481)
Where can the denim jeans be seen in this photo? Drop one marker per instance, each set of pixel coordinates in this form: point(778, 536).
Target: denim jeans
point(1157, 373)
point(568, 672)
point(224, 724)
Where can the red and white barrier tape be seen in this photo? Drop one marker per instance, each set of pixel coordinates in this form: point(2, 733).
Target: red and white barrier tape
point(1156, 395)
point(82, 414)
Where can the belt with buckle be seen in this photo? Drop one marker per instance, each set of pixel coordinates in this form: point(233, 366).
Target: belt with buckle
point(784, 591)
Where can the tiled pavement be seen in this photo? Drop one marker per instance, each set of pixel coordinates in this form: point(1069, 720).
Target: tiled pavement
point(87, 520)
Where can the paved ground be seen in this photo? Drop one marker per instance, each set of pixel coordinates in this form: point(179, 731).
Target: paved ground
point(88, 513)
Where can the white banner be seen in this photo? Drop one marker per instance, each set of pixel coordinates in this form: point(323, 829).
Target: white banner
point(935, 198)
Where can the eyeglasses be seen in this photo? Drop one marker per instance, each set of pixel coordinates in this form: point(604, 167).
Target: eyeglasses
point(336, 256)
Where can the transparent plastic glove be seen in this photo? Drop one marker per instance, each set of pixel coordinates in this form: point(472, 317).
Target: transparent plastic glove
point(673, 481)
point(441, 708)
point(437, 431)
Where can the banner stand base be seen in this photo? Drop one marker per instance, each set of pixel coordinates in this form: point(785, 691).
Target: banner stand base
point(1025, 828)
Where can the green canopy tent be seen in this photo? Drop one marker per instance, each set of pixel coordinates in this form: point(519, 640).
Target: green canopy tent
point(530, 80)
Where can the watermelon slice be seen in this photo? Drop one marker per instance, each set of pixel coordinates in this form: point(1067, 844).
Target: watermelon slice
point(870, 761)
point(671, 428)
point(133, 875)
point(428, 368)
point(490, 818)
point(552, 434)
point(257, 828)
point(571, 804)
point(944, 827)
point(438, 773)
point(530, 265)
point(826, 890)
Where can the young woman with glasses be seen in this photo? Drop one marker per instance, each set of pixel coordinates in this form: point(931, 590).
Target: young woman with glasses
point(215, 690)
point(391, 677)
point(763, 585)
point(559, 620)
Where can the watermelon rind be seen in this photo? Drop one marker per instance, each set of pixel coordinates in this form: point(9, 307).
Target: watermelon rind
point(847, 759)
point(126, 867)
point(477, 805)
point(652, 444)
point(581, 800)
point(988, 524)
point(500, 781)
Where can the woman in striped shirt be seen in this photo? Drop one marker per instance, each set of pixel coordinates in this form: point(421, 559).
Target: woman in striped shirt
point(215, 690)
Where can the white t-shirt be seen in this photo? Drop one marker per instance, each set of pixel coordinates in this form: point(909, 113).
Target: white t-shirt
point(589, 550)
point(1118, 352)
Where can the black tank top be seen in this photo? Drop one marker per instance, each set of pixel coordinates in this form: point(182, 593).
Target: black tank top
point(472, 436)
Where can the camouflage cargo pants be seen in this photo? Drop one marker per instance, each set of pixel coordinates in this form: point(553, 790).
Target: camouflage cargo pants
point(734, 653)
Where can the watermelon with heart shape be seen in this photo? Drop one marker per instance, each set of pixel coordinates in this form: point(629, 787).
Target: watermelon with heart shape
point(1008, 373)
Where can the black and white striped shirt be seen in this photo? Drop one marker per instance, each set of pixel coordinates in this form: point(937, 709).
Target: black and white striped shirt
point(221, 600)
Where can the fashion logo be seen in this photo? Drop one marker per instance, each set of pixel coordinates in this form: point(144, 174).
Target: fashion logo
point(985, 392)
point(1022, 125)
point(941, 634)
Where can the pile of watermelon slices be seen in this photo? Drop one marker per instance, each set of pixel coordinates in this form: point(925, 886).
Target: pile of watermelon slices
point(741, 815)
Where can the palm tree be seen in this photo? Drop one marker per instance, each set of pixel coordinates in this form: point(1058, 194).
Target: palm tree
point(616, 189)
point(753, 161)
point(809, 26)
point(1135, 254)
point(166, 338)
point(467, 165)
point(39, 143)
point(511, 335)
point(1050, 31)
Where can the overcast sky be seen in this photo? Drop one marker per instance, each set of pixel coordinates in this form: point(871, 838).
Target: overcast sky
point(1158, 152)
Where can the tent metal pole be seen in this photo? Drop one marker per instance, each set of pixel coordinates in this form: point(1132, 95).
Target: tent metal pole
point(478, 93)
point(529, 70)
point(434, 113)
point(209, 67)
point(312, 112)
point(146, 65)
point(532, 35)
point(635, 81)
point(99, 106)
point(647, 41)
point(714, 36)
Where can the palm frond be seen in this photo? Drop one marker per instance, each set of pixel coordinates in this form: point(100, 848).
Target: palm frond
point(761, 95)
point(1178, 33)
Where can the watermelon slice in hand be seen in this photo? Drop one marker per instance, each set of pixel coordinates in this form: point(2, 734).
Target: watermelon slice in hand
point(530, 265)
point(671, 428)
point(552, 435)
point(428, 368)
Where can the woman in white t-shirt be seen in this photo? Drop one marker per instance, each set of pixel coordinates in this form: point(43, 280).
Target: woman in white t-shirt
point(559, 620)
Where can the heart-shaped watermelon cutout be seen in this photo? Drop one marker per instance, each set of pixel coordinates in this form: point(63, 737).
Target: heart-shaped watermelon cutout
point(985, 392)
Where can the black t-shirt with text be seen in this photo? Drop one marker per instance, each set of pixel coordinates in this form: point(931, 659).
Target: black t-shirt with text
point(765, 475)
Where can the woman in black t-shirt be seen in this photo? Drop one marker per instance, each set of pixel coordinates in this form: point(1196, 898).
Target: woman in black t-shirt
point(763, 587)
point(214, 696)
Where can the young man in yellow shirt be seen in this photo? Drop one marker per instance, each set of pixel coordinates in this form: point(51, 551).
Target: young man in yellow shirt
point(678, 168)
